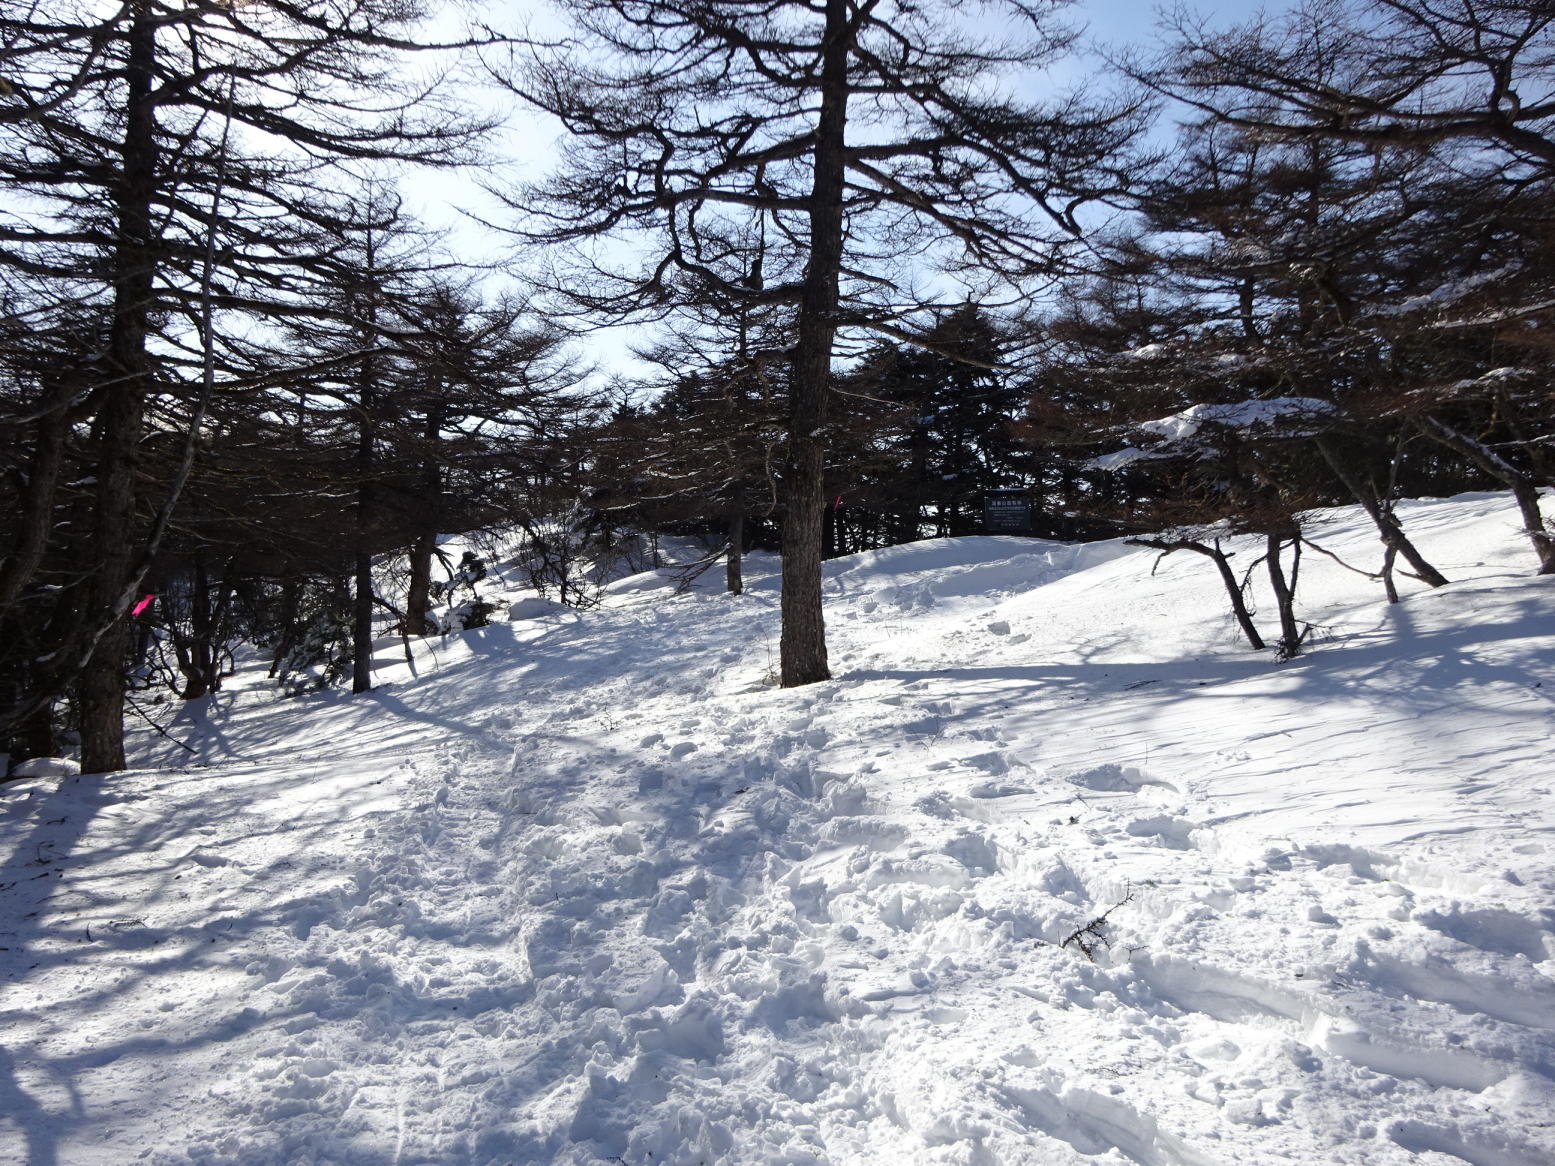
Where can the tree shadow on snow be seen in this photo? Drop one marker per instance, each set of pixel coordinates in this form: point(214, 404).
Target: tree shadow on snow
point(1396, 664)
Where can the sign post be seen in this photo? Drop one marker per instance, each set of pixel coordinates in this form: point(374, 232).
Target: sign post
point(1006, 512)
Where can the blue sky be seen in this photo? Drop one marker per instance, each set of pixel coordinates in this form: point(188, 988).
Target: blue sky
point(529, 142)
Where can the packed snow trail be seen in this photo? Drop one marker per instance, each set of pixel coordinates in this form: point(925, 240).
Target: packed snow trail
point(1053, 872)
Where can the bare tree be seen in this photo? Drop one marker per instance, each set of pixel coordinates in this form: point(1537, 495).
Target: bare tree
point(1472, 85)
point(810, 157)
point(1409, 72)
point(165, 163)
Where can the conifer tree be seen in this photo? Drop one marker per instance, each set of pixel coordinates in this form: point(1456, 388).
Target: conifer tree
point(167, 164)
point(807, 157)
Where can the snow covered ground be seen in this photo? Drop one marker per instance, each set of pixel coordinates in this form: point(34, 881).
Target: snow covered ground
point(582, 888)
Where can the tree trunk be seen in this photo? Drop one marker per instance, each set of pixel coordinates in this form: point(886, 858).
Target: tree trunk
point(362, 601)
point(36, 519)
point(418, 595)
point(803, 640)
point(100, 702)
point(803, 637)
point(1388, 556)
point(199, 650)
point(39, 733)
point(291, 596)
point(1393, 536)
point(1222, 563)
point(1284, 596)
point(1523, 487)
point(120, 408)
point(362, 625)
point(1244, 618)
point(1245, 310)
point(120, 418)
point(734, 578)
point(194, 650)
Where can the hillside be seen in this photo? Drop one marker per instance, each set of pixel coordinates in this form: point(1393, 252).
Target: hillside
point(582, 887)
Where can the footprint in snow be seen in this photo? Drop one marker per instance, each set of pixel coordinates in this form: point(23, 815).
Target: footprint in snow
point(937, 805)
point(998, 789)
point(1492, 929)
point(1175, 833)
point(1112, 778)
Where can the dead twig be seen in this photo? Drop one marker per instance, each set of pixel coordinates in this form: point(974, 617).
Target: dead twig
point(1088, 937)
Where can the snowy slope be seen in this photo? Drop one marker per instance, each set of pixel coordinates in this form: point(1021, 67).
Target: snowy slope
point(581, 888)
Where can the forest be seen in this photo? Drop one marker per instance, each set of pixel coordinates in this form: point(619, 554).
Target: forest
point(878, 258)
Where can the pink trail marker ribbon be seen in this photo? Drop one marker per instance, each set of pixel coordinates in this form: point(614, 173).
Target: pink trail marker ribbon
point(142, 605)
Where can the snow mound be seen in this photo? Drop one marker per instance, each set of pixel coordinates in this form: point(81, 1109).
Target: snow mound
point(46, 767)
point(535, 607)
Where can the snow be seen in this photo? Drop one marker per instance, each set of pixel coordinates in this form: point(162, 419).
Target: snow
point(46, 767)
point(585, 887)
point(1273, 412)
point(1185, 431)
point(1451, 292)
point(1494, 378)
point(1145, 352)
point(535, 607)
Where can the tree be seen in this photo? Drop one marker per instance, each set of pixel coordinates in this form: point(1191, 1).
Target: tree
point(700, 455)
point(167, 164)
point(1233, 473)
point(1307, 239)
point(1418, 73)
point(807, 156)
point(484, 382)
point(1469, 84)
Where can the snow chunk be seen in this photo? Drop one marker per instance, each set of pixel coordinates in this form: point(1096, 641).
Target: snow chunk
point(534, 607)
point(47, 767)
point(1277, 412)
point(1450, 292)
point(1190, 431)
point(1144, 352)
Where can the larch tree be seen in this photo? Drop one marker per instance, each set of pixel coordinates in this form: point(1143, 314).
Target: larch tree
point(1472, 84)
point(166, 162)
point(814, 157)
point(484, 380)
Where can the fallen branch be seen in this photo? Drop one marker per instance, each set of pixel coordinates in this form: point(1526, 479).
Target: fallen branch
point(1090, 936)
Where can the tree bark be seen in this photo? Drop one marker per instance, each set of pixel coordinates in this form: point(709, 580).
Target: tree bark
point(1388, 556)
point(362, 600)
point(291, 595)
point(418, 594)
point(802, 646)
point(362, 624)
point(1393, 537)
point(1244, 618)
point(1524, 489)
point(1222, 563)
point(37, 502)
point(193, 651)
point(120, 418)
point(199, 651)
point(1245, 291)
point(734, 578)
point(1284, 596)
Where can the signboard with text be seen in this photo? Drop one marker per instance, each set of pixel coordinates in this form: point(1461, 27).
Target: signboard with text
point(1006, 512)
